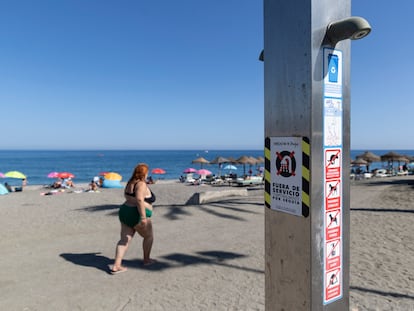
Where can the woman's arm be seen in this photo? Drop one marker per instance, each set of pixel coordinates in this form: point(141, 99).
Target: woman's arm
point(140, 197)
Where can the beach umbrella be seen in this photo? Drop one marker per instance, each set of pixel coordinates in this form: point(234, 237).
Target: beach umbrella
point(203, 172)
point(189, 170)
point(15, 174)
point(245, 160)
point(200, 160)
point(103, 173)
point(359, 162)
point(392, 156)
point(232, 160)
point(253, 161)
point(230, 167)
point(158, 171)
point(65, 175)
point(219, 161)
point(369, 157)
point(53, 175)
point(409, 158)
point(112, 176)
point(260, 160)
point(2, 175)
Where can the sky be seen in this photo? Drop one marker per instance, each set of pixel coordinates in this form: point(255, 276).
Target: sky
point(161, 74)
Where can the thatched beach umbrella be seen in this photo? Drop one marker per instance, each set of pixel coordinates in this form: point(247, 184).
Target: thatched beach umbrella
point(359, 162)
point(410, 158)
point(369, 157)
point(260, 160)
point(392, 156)
point(232, 160)
point(245, 160)
point(200, 160)
point(219, 161)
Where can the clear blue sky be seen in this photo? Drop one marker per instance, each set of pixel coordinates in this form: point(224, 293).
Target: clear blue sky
point(100, 74)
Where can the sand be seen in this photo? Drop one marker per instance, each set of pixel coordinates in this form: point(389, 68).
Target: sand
point(56, 250)
point(382, 244)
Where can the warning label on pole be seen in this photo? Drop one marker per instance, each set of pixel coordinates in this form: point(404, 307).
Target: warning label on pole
point(333, 225)
point(285, 169)
point(332, 173)
point(333, 194)
point(333, 158)
point(333, 254)
point(333, 284)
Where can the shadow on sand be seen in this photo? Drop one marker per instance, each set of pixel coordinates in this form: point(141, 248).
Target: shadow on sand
point(379, 292)
point(177, 260)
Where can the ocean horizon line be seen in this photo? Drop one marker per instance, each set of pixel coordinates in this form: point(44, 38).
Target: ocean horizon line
point(85, 164)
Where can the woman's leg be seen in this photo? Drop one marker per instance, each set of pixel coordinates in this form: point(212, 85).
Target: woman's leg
point(126, 235)
point(148, 235)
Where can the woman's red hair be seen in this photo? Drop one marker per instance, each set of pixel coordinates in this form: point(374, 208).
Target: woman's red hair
point(140, 171)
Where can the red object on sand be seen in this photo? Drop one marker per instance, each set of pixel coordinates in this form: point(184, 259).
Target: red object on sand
point(65, 175)
point(158, 171)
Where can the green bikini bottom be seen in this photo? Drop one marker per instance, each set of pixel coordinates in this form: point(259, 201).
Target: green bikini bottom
point(129, 215)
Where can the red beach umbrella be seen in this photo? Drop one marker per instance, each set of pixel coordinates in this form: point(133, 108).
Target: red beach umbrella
point(158, 171)
point(65, 175)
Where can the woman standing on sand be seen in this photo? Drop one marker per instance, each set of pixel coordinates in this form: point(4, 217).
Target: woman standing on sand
point(135, 216)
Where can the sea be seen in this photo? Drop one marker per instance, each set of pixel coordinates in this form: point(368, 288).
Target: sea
point(85, 164)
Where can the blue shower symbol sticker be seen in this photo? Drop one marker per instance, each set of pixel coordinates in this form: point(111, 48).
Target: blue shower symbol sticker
point(333, 68)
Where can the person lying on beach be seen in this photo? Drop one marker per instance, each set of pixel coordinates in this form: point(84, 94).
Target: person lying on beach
point(57, 184)
point(68, 183)
point(98, 181)
point(135, 216)
point(93, 186)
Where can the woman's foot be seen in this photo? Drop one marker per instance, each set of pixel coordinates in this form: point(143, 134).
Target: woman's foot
point(117, 270)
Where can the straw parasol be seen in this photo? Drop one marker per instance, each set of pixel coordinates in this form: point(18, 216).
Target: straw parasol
point(260, 159)
point(392, 156)
point(359, 162)
point(232, 160)
point(200, 160)
point(410, 158)
point(219, 161)
point(245, 160)
point(369, 157)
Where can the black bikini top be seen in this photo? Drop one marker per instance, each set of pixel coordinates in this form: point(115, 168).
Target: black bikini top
point(149, 200)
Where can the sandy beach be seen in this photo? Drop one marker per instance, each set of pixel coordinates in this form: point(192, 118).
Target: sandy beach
point(57, 249)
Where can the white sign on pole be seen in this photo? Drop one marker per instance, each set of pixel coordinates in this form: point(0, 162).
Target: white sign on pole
point(332, 118)
point(286, 174)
